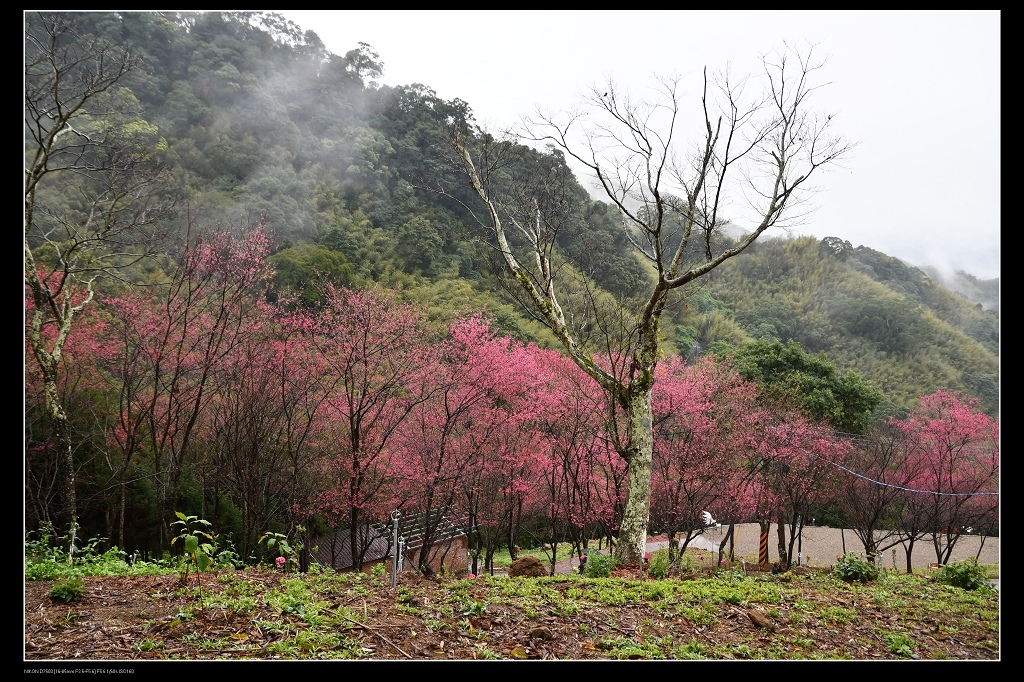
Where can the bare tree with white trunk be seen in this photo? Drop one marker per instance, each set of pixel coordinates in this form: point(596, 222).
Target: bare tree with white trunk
point(753, 157)
point(96, 197)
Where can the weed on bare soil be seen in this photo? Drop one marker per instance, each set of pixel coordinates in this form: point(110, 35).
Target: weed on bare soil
point(262, 614)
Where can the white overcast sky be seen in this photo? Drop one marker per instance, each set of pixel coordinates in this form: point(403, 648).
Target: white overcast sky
point(918, 91)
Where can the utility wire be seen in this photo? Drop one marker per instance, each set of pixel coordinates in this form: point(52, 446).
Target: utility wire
point(882, 483)
point(899, 487)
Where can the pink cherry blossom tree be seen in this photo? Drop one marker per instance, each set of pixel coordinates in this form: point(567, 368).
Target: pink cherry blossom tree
point(957, 481)
point(582, 475)
point(376, 356)
point(473, 398)
point(174, 340)
point(872, 491)
point(703, 415)
point(800, 461)
point(259, 432)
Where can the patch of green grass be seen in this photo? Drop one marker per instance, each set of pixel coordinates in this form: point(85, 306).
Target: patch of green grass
point(483, 652)
point(502, 558)
point(434, 625)
point(147, 644)
point(704, 614)
point(804, 605)
point(239, 595)
point(68, 619)
point(734, 596)
point(317, 639)
point(566, 608)
point(203, 643)
point(232, 603)
point(273, 626)
point(837, 615)
point(309, 616)
point(283, 648)
point(184, 616)
point(472, 607)
point(898, 643)
point(610, 594)
point(690, 651)
point(411, 610)
point(293, 597)
point(656, 590)
point(741, 651)
point(802, 642)
point(622, 648)
point(67, 590)
point(514, 587)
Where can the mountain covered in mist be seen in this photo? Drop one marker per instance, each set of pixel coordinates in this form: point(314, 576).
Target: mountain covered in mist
point(982, 291)
point(261, 122)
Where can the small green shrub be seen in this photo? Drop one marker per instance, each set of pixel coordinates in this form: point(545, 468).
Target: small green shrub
point(966, 574)
point(67, 590)
point(659, 564)
point(226, 556)
point(40, 544)
point(599, 565)
point(851, 568)
point(899, 644)
point(198, 554)
point(837, 615)
point(51, 557)
point(288, 552)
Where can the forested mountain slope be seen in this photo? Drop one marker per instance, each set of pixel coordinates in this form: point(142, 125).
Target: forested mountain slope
point(259, 121)
point(898, 330)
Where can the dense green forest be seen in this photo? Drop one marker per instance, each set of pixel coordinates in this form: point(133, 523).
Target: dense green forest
point(258, 120)
point(233, 120)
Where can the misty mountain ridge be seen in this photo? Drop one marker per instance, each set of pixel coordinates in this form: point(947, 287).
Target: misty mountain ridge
point(271, 126)
point(891, 323)
point(983, 291)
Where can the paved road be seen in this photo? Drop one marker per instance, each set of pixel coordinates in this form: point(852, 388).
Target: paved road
point(820, 546)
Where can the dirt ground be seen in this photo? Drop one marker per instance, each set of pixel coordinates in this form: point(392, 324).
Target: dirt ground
point(141, 617)
point(243, 616)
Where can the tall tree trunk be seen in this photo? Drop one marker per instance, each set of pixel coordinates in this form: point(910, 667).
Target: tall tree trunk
point(639, 459)
point(120, 520)
point(783, 554)
point(796, 530)
point(910, 556)
point(67, 504)
point(732, 545)
point(800, 546)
